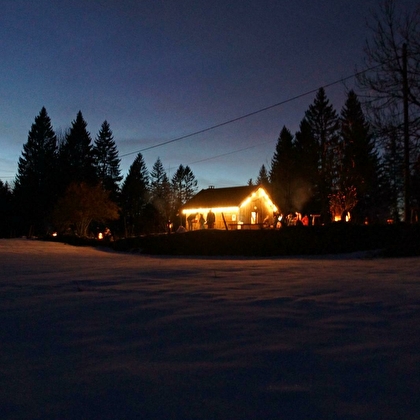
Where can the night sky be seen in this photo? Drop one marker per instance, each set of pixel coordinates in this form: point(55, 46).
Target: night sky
point(158, 70)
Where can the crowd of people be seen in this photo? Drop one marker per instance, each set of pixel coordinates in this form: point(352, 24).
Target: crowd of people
point(199, 220)
point(292, 219)
point(278, 220)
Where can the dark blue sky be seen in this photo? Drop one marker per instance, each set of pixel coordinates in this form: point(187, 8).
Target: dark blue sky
point(157, 70)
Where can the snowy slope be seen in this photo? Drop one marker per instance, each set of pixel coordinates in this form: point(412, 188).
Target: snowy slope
point(92, 334)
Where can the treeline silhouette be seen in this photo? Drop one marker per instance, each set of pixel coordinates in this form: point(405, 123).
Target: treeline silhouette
point(337, 167)
point(332, 166)
point(72, 185)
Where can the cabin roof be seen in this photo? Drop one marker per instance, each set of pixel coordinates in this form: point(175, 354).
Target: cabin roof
point(220, 197)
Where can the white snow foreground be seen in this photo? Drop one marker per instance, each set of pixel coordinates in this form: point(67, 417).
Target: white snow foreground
point(90, 334)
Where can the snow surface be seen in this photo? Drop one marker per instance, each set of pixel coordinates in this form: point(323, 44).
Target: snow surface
point(92, 334)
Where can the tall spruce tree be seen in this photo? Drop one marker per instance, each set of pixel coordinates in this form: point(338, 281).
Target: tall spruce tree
point(134, 197)
point(324, 123)
point(36, 181)
point(184, 186)
point(360, 167)
point(7, 224)
point(76, 155)
point(282, 172)
point(160, 192)
point(306, 169)
point(263, 177)
point(106, 160)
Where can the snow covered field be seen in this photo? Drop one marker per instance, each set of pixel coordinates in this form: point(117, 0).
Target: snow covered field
point(92, 334)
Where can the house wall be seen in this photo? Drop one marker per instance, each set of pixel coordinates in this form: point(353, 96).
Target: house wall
point(230, 217)
point(260, 208)
point(253, 210)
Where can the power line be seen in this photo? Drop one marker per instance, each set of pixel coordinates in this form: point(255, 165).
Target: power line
point(250, 114)
point(229, 153)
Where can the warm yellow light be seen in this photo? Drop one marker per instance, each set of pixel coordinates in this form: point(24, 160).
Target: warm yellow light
point(100, 235)
point(260, 193)
point(270, 204)
point(213, 209)
point(245, 202)
point(339, 218)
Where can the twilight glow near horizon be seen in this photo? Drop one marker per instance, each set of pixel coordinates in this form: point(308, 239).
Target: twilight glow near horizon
point(159, 70)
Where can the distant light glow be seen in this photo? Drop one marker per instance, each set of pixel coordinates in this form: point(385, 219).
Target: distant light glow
point(214, 209)
point(260, 193)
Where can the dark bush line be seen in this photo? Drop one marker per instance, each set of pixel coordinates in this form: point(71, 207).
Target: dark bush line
point(392, 240)
point(389, 240)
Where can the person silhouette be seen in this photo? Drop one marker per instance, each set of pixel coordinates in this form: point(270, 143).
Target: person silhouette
point(211, 218)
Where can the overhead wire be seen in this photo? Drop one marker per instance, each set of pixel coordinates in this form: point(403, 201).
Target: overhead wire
point(228, 153)
point(250, 114)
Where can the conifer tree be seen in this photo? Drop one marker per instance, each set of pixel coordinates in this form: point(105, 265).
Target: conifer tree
point(282, 171)
point(6, 215)
point(160, 192)
point(263, 178)
point(306, 169)
point(360, 162)
point(107, 162)
point(324, 123)
point(35, 184)
point(76, 155)
point(134, 197)
point(184, 186)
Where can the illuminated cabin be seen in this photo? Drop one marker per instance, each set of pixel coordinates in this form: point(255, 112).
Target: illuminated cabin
point(234, 208)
